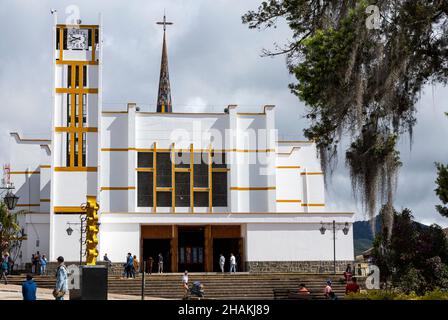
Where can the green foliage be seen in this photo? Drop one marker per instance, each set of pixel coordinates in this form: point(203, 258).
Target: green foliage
point(361, 82)
point(442, 188)
point(436, 294)
point(414, 258)
point(11, 234)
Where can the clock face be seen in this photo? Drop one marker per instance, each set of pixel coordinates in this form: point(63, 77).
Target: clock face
point(77, 39)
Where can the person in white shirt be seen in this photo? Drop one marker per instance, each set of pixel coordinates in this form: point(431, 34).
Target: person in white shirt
point(185, 283)
point(222, 261)
point(232, 263)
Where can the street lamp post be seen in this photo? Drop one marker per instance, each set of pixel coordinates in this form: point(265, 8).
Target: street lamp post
point(82, 230)
point(345, 230)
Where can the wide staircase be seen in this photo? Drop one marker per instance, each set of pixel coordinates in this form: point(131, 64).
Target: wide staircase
point(217, 286)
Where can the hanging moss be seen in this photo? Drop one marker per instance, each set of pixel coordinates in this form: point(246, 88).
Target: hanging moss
point(361, 83)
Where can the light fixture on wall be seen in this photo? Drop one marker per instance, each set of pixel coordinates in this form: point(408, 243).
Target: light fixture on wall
point(322, 229)
point(69, 230)
point(346, 228)
point(11, 200)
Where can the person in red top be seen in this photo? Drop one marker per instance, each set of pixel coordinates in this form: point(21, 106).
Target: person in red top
point(352, 287)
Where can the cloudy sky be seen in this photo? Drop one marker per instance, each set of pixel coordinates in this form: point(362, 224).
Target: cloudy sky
point(214, 61)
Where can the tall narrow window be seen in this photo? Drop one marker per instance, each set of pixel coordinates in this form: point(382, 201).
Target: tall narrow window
point(69, 76)
point(69, 107)
point(219, 186)
point(76, 76)
point(97, 35)
point(76, 108)
point(65, 39)
point(163, 170)
point(144, 189)
point(84, 151)
point(84, 109)
point(84, 76)
point(58, 32)
point(200, 170)
point(89, 41)
point(76, 150)
point(182, 189)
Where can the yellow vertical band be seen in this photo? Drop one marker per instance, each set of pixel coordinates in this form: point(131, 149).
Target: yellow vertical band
point(154, 177)
point(210, 188)
point(191, 178)
point(173, 180)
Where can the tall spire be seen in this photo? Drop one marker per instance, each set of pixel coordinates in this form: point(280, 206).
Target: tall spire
point(164, 103)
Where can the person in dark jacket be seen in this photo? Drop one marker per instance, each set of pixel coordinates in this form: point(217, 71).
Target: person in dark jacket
point(29, 288)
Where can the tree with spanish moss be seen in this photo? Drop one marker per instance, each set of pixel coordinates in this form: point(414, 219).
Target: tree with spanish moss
point(442, 187)
point(360, 70)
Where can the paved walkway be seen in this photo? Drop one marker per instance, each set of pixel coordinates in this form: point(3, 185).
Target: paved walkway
point(14, 292)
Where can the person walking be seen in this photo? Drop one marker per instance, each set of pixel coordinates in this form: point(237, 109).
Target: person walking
point(150, 264)
point(129, 265)
point(5, 267)
point(222, 262)
point(135, 266)
point(33, 270)
point(61, 286)
point(37, 262)
point(232, 263)
point(185, 284)
point(29, 288)
point(43, 265)
point(160, 263)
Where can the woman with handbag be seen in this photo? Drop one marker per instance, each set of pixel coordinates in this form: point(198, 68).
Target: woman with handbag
point(61, 280)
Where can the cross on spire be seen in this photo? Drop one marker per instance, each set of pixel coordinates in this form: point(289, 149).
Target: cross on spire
point(164, 23)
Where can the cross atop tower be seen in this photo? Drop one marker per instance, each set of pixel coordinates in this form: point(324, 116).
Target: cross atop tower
point(164, 23)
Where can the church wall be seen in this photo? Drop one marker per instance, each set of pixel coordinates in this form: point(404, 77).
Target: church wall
point(117, 239)
point(266, 242)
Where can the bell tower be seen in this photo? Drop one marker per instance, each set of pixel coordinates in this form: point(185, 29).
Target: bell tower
point(75, 128)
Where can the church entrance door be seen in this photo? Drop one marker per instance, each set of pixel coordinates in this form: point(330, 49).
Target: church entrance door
point(191, 249)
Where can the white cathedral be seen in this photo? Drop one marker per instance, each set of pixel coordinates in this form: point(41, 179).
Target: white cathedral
point(191, 186)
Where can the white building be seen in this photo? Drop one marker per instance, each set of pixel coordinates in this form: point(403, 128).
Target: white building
point(233, 187)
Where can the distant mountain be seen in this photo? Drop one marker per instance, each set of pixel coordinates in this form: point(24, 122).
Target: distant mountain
point(362, 234)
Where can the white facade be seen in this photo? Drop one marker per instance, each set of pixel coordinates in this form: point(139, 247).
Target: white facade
point(275, 189)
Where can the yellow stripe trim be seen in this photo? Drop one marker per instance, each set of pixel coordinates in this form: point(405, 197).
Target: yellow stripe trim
point(76, 169)
point(288, 167)
point(75, 62)
point(116, 188)
point(24, 172)
point(44, 200)
point(313, 205)
point(45, 166)
point(144, 169)
point(115, 149)
point(76, 129)
point(76, 90)
point(251, 188)
point(68, 209)
point(311, 173)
